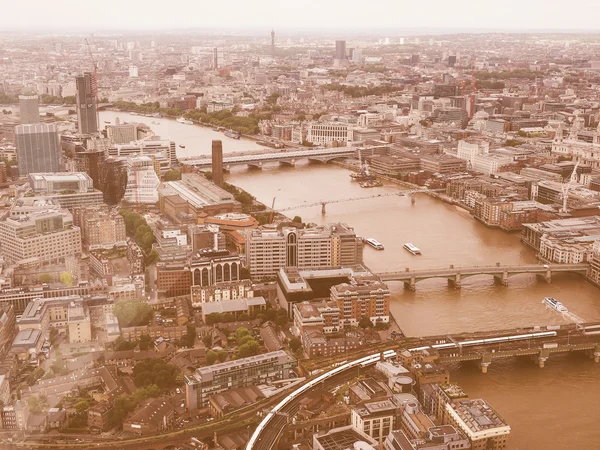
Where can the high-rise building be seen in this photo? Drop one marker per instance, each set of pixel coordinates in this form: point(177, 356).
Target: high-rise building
point(217, 162)
point(38, 148)
point(87, 118)
point(340, 49)
point(29, 108)
point(215, 58)
point(272, 42)
point(142, 182)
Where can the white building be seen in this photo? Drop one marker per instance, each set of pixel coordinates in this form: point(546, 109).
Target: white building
point(40, 237)
point(323, 133)
point(51, 183)
point(142, 181)
point(133, 72)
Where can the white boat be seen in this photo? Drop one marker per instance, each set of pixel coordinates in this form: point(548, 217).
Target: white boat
point(555, 305)
point(374, 243)
point(411, 248)
point(185, 121)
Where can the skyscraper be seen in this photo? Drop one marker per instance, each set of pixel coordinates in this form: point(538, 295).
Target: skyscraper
point(272, 42)
point(340, 49)
point(38, 148)
point(29, 108)
point(215, 58)
point(87, 118)
point(217, 162)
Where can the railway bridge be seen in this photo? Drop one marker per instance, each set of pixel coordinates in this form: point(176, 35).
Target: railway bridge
point(284, 156)
point(501, 273)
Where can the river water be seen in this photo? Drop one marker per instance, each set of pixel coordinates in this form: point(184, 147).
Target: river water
point(554, 408)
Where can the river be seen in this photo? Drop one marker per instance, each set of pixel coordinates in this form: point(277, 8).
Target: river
point(551, 408)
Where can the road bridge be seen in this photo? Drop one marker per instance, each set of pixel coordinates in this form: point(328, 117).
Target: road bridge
point(284, 156)
point(501, 273)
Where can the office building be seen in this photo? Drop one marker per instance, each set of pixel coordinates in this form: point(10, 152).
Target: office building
point(194, 197)
point(122, 133)
point(142, 181)
point(375, 419)
point(52, 183)
point(268, 250)
point(323, 133)
point(41, 237)
point(245, 372)
point(217, 163)
point(79, 324)
point(87, 118)
point(29, 108)
point(340, 50)
point(483, 426)
point(103, 229)
point(38, 148)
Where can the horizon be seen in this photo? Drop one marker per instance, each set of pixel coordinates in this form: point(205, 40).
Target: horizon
point(529, 16)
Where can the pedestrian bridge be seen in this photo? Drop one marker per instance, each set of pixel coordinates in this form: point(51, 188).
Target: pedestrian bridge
point(501, 273)
point(285, 156)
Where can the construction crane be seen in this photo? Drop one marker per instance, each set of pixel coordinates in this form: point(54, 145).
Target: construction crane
point(94, 79)
point(472, 97)
point(272, 211)
point(566, 187)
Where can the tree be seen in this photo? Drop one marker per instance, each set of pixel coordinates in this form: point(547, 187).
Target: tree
point(145, 342)
point(297, 219)
point(132, 313)
point(34, 404)
point(155, 371)
point(295, 344)
point(45, 278)
point(211, 357)
point(172, 175)
point(241, 332)
point(66, 278)
point(365, 322)
point(250, 348)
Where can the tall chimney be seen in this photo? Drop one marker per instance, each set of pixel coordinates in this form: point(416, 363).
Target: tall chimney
point(217, 162)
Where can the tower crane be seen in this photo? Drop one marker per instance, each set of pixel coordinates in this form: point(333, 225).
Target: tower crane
point(566, 187)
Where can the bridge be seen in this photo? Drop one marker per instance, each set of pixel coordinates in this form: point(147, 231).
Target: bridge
point(534, 343)
point(322, 203)
point(501, 273)
point(285, 156)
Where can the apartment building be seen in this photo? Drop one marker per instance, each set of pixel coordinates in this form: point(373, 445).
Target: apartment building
point(226, 290)
point(245, 372)
point(368, 297)
point(42, 237)
point(102, 229)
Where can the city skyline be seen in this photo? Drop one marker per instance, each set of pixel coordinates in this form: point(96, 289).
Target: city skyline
point(459, 16)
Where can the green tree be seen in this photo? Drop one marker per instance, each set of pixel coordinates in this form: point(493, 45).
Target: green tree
point(155, 371)
point(145, 342)
point(172, 175)
point(34, 404)
point(45, 278)
point(250, 348)
point(66, 278)
point(132, 313)
point(297, 219)
point(241, 332)
point(295, 344)
point(365, 322)
point(211, 357)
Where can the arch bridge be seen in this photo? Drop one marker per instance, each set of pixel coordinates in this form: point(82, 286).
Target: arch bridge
point(501, 273)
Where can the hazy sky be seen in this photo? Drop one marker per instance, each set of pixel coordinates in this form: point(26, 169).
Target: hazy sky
point(38, 15)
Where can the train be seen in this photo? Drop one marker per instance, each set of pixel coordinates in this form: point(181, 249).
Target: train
point(517, 337)
point(361, 362)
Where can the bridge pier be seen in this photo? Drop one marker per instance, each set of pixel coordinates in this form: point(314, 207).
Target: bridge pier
point(288, 162)
point(502, 279)
point(411, 284)
point(542, 357)
point(486, 360)
point(323, 208)
point(455, 281)
point(257, 165)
